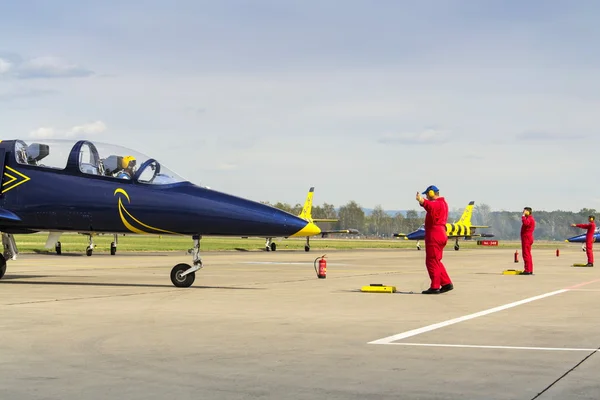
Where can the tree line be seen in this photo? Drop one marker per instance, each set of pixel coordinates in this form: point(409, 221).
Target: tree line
point(505, 225)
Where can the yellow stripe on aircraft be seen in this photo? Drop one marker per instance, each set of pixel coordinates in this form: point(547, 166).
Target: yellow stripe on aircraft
point(458, 230)
point(128, 225)
point(13, 181)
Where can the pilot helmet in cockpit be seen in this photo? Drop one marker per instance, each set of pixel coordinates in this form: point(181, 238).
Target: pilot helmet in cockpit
point(128, 163)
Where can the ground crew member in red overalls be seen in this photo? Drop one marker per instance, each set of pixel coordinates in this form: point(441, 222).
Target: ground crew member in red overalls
point(527, 228)
point(435, 239)
point(589, 239)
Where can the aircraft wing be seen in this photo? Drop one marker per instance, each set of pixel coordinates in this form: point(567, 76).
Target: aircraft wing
point(480, 226)
point(324, 220)
point(483, 235)
point(349, 231)
point(399, 235)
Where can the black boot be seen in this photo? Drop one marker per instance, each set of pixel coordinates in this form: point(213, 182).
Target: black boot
point(431, 291)
point(446, 288)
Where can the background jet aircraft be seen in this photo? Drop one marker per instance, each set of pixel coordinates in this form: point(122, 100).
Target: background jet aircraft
point(581, 238)
point(306, 214)
point(68, 186)
point(460, 229)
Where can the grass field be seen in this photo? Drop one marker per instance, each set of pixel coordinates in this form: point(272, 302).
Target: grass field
point(78, 243)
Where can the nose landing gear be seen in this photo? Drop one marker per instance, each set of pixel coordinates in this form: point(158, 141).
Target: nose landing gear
point(184, 275)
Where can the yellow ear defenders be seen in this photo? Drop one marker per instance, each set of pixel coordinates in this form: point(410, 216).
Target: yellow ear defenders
point(430, 193)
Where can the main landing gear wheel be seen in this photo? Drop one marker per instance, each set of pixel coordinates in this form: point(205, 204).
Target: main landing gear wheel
point(183, 275)
point(90, 248)
point(306, 248)
point(2, 266)
point(180, 280)
point(10, 251)
point(113, 245)
point(58, 248)
point(456, 247)
point(270, 245)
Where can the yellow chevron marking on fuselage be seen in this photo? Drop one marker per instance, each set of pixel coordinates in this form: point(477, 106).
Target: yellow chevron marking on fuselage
point(130, 226)
point(10, 184)
point(12, 179)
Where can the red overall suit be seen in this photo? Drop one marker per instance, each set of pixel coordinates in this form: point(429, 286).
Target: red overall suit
point(589, 240)
point(435, 241)
point(527, 240)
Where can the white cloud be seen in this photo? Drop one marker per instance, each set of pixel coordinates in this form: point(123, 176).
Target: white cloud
point(92, 128)
point(14, 66)
point(50, 67)
point(43, 133)
point(89, 129)
point(428, 136)
point(5, 66)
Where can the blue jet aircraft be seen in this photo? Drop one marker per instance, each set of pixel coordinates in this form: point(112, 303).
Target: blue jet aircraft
point(581, 238)
point(80, 186)
point(460, 229)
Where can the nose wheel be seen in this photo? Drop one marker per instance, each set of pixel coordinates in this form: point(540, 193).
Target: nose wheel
point(184, 275)
point(179, 279)
point(456, 245)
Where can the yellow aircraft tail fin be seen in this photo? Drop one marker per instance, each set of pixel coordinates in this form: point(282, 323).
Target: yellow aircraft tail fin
point(306, 212)
point(465, 218)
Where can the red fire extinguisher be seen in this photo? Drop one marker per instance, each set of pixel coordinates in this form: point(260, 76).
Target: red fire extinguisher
point(557, 252)
point(516, 256)
point(322, 269)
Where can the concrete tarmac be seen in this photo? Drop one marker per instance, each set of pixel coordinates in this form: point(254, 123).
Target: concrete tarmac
point(260, 325)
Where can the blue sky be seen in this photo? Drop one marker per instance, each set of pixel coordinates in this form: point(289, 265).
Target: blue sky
point(492, 101)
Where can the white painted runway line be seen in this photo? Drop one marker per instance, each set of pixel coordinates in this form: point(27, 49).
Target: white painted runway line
point(429, 328)
point(414, 332)
point(494, 347)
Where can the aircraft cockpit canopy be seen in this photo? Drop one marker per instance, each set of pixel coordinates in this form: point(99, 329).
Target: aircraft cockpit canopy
point(30, 154)
point(99, 159)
